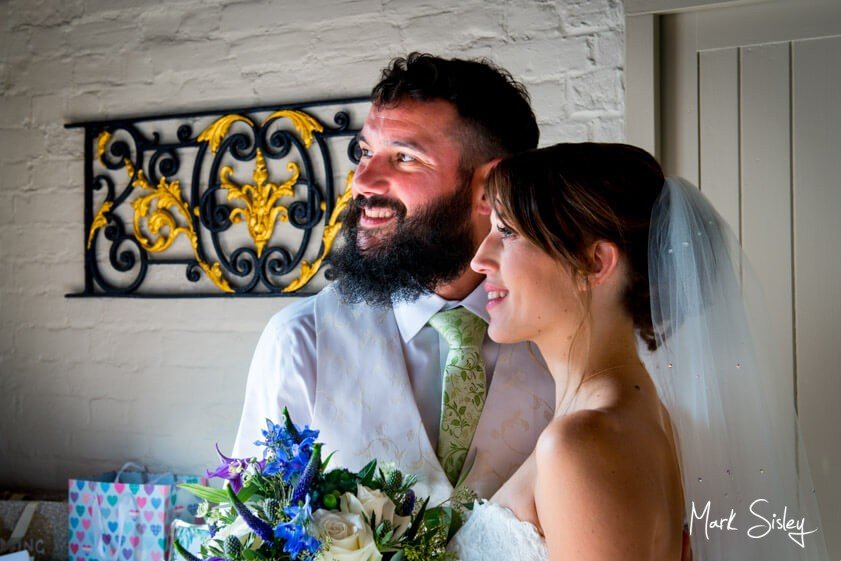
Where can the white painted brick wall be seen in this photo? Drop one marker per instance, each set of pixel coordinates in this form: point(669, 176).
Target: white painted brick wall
point(86, 384)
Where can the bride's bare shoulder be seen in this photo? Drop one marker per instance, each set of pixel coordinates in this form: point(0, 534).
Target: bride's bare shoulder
point(598, 477)
point(619, 461)
point(592, 437)
point(619, 420)
point(589, 434)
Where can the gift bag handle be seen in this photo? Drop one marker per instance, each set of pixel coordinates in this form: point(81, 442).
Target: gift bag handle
point(132, 466)
point(143, 470)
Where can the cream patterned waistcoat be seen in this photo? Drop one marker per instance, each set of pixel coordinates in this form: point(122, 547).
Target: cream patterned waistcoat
point(365, 408)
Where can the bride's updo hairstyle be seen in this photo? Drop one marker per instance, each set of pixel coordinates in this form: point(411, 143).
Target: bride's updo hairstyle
point(566, 197)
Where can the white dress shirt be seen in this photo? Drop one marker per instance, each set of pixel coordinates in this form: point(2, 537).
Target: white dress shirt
point(283, 369)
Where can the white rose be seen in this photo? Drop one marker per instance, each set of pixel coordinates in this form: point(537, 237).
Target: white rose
point(349, 536)
point(375, 502)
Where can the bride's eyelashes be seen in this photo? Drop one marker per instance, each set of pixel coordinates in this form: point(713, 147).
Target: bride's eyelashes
point(505, 231)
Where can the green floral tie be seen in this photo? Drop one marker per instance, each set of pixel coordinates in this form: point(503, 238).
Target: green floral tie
point(463, 389)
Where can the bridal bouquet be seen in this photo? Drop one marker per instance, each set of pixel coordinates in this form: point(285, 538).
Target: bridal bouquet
point(288, 506)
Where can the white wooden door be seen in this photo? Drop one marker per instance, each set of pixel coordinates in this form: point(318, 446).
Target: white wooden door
point(749, 109)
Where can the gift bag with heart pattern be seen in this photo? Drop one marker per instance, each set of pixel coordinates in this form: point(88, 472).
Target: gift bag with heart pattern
point(112, 520)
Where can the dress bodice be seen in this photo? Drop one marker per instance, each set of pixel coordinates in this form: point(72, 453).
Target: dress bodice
point(493, 533)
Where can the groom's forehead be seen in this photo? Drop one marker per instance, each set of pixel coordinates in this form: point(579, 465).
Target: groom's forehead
point(410, 123)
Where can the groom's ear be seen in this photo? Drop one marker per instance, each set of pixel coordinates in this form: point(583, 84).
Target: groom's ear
point(477, 185)
point(605, 258)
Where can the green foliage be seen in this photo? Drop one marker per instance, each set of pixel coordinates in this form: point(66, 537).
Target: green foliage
point(214, 495)
point(367, 473)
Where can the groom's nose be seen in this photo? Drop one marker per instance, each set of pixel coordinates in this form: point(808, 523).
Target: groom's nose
point(370, 178)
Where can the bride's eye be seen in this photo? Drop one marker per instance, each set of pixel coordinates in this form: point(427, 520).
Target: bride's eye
point(505, 231)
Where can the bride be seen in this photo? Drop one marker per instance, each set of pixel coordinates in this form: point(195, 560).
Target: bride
point(664, 423)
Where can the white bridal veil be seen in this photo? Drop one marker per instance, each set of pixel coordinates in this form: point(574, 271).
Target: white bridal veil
point(748, 488)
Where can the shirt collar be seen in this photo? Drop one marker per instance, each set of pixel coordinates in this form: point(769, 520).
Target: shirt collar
point(413, 316)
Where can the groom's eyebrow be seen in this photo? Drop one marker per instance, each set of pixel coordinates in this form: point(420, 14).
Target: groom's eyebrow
point(408, 144)
point(412, 145)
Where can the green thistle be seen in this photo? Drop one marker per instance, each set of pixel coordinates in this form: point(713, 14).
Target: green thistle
point(233, 547)
point(272, 509)
point(393, 482)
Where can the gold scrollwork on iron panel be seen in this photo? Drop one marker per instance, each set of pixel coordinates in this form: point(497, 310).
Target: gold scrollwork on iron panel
point(99, 221)
point(252, 168)
point(261, 211)
point(331, 229)
point(306, 124)
point(161, 222)
point(218, 130)
point(102, 143)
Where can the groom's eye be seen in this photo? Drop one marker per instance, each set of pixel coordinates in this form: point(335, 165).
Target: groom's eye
point(403, 157)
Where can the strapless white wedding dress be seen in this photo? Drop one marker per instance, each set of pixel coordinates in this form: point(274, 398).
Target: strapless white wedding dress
point(493, 533)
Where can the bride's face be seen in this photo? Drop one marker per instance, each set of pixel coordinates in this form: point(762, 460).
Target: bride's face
point(531, 296)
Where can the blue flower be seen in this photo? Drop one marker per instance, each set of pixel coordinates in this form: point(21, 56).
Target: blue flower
point(257, 525)
point(407, 505)
point(288, 448)
point(285, 436)
point(233, 469)
point(302, 488)
point(296, 539)
point(291, 462)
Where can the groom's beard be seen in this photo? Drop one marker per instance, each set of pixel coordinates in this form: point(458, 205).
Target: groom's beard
point(422, 252)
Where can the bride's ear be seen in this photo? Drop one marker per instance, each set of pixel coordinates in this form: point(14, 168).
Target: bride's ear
point(605, 258)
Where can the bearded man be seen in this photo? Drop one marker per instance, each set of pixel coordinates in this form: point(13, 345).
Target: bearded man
point(370, 361)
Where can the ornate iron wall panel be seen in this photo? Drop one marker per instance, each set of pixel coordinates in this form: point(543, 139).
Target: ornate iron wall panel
point(219, 203)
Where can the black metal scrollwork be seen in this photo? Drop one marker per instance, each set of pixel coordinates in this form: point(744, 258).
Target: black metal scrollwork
point(237, 198)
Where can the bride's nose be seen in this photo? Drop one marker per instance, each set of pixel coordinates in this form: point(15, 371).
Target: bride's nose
point(484, 261)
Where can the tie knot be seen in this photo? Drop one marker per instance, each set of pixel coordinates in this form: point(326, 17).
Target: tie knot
point(460, 328)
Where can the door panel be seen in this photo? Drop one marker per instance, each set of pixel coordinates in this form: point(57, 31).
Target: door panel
point(718, 95)
point(749, 111)
point(816, 120)
point(766, 191)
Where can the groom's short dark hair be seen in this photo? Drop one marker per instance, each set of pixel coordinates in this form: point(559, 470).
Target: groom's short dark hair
point(495, 111)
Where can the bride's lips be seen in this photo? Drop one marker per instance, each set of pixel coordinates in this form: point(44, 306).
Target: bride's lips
point(496, 294)
point(375, 217)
